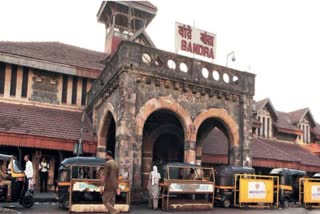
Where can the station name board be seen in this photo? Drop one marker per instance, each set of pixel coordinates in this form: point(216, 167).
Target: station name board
point(195, 41)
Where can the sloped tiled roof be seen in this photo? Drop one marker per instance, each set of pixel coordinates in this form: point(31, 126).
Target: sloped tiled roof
point(261, 149)
point(55, 52)
point(285, 122)
point(261, 103)
point(298, 115)
point(44, 122)
point(297, 151)
point(217, 144)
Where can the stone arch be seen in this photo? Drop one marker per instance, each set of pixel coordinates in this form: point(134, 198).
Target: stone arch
point(103, 129)
point(223, 115)
point(163, 103)
point(230, 124)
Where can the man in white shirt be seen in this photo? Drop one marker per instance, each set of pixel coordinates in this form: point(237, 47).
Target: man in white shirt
point(29, 170)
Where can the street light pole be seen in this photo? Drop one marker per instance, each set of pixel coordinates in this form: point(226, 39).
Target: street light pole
point(233, 57)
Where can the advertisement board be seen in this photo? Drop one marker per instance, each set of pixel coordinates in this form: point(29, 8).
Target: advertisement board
point(256, 191)
point(311, 192)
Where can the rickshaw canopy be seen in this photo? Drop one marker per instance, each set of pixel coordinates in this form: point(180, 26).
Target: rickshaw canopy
point(225, 174)
point(286, 171)
point(83, 161)
point(4, 157)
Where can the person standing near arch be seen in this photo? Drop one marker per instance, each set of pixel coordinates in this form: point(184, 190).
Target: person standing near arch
point(43, 172)
point(153, 186)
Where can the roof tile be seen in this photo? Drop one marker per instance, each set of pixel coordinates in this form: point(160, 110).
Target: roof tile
point(56, 52)
point(45, 122)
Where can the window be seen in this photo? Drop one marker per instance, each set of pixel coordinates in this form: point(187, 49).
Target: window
point(84, 91)
point(25, 76)
point(74, 90)
point(13, 85)
point(64, 88)
point(2, 76)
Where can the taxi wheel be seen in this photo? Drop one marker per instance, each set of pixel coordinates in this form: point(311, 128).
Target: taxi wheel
point(65, 202)
point(226, 203)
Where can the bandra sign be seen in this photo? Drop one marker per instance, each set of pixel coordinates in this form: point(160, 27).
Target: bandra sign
point(195, 41)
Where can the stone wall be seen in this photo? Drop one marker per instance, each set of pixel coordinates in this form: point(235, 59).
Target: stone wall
point(45, 87)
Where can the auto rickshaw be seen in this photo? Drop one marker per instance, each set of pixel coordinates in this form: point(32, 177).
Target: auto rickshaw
point(80, 185)
point(225, 183)
point(19, 192)
point(187, 187)
point(309, 191)
point(288, 184)
point(239, 187)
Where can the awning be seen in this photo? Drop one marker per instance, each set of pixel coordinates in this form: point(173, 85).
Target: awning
point(30, 141)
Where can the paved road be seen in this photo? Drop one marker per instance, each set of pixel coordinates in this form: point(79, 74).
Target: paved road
point(53, 208)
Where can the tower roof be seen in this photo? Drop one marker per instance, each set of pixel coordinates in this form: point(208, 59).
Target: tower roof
point(138, 10)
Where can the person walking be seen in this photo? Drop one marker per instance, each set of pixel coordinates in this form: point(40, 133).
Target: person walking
point(43, 172)
point(111, 173)
point(153, 186)
point(28, 172)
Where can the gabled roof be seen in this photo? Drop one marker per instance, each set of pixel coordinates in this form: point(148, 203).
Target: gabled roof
point(52, 52)
point(43, 122)
point(266, 102)
point(284, 124)
point(298, 115)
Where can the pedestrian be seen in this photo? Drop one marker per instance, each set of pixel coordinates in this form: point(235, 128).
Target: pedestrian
point(5, 180)
point(28, 172)
point(111, 173)
point(153, 186)
point(43, 172)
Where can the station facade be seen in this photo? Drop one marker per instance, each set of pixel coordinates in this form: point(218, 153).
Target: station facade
point(146, 105)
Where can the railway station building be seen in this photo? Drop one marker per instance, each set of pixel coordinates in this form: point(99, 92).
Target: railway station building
point(147, 105)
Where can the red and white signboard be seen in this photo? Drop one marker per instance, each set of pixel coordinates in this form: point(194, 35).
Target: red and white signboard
point(195, 41)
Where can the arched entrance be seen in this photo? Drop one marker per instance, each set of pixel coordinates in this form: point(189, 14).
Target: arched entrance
point(163, 140)
point(111, 134)
point(107, 133)
point(218, 129)
point(213, 141)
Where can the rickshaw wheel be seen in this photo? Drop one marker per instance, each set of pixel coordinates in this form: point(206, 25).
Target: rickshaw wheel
point(285, 203)
point(27, 201)
point(65, 202)
point(226, 203)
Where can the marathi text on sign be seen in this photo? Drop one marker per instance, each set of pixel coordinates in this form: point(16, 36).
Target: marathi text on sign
point(195, 41)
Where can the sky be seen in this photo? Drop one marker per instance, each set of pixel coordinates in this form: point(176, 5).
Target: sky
point(276, 40)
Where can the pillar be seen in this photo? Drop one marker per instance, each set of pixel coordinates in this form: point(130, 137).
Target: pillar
point(190, 152)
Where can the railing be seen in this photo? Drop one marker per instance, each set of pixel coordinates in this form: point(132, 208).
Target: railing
point(173, 66)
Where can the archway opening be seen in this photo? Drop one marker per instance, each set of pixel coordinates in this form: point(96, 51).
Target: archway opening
point(111, 133)
point(213, 142)
point(163, 141)
point(167, 148)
